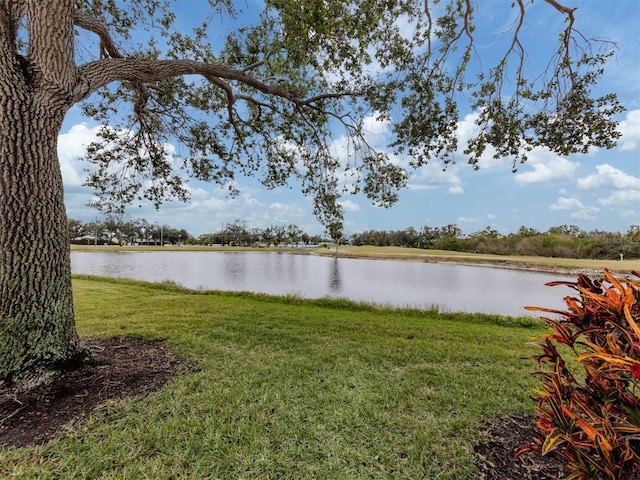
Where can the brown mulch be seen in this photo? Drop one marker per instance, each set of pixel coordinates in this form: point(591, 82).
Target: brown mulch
point(495, 458)
point(125, 367)
point(130, 366)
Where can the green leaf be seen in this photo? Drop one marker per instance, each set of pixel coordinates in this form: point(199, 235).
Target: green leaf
point(553, 441)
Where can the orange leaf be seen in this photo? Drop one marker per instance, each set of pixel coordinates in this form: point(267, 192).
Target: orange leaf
point(594, 434)
point(632, 322)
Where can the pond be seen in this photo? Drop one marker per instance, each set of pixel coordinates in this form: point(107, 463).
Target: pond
point(450, 287)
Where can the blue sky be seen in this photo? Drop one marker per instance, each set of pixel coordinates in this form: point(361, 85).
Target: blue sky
point(600, 190)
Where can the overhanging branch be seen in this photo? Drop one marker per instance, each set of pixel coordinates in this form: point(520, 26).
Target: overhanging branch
point(567, 31)
point(97, 74)
point(95, 25)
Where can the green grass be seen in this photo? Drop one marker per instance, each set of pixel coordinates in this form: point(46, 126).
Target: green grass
point(291, 389)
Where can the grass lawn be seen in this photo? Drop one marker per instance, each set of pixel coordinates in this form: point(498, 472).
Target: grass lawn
point(291, 389)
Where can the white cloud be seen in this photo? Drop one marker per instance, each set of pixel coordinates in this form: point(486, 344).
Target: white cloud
point(197, 194)
point(468, 222)
point(587, 214)
point(374, 128)
point(579, 211)
point(211, 207)
point(433, 176)
point(288, 210)
point(630, 129)
point(564, 203)
point(556, 170)
point(621, 198)
point(623, 190)
point(609, 177)
point(350, 206)
point(71, 147)
point(632, 214)
point(213, 204)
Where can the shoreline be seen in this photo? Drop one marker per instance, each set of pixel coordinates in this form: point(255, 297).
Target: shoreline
point(504, 262)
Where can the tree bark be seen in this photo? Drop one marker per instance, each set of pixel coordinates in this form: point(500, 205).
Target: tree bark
point(38, 338)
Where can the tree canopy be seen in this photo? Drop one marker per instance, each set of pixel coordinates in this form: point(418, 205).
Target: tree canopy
point(268, 98)
point(261, 93)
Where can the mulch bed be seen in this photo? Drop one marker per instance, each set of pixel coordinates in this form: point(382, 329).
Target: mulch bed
point(126, 366)
point(136, 366)
point(495, 458)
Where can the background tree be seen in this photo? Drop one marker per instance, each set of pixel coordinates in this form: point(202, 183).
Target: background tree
point(305, 238)
point(335, 232)
point(527, 232)
point(112, 229)
point(268, 235)
point(77, 228)
point(293, 234)
point(130, 231)
point(236, 233)
point(95, 230)
point(279, 234)
point(568, 231)
point(632, 242)
point(429, 235)
point(144, 231)
point(267, 101)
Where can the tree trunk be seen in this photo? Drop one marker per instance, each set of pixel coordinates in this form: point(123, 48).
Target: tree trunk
point(38, 338)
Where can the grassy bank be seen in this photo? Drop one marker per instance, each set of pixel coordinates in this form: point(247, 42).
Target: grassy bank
point(553, 264)
point(289, 388)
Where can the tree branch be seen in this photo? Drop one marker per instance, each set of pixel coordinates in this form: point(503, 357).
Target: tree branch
point(516, 46)
point(95, 75)
point(567, 31)
point(108, 48)
point(562, 9)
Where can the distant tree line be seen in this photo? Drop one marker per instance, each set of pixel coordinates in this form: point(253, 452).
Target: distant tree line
point(567, 241)
point(564, 241)
point(117, 231)
point(239, 234)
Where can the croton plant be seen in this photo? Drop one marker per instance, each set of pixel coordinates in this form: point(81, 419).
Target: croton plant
point(588, 407)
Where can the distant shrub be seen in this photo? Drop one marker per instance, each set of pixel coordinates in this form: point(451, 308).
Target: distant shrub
point(588, 409)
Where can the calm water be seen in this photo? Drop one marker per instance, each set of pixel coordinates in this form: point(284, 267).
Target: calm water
point(400, 283)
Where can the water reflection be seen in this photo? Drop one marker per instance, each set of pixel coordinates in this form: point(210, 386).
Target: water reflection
point(235, 269)
point(335, 281)
point(404, 284)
